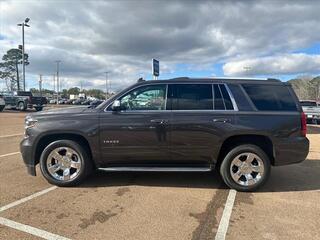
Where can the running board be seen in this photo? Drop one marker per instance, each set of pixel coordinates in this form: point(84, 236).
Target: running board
point(156, 169)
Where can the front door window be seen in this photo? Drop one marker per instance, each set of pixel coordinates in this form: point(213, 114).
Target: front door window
point(145, 98)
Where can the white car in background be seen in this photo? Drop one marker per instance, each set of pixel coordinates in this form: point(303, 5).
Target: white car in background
point(312, 111)
point(2, 103)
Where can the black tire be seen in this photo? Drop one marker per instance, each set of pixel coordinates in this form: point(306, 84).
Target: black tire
point(226, 165)
point(22, 106)
point(1, 108)
point(85, 159)
point(38, 109)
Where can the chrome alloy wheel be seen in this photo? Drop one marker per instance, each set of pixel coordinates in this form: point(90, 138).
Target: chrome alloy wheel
point(63, 163)
point(247, 169)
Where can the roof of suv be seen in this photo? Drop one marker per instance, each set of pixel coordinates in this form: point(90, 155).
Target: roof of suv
point(216, 79)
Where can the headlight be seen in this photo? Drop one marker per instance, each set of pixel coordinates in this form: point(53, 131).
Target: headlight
point(29, 122)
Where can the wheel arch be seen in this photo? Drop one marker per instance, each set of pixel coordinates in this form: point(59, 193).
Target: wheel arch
point(262, 141)
point(45, 140)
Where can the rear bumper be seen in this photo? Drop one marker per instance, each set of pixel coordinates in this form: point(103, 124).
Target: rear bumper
point(291, 150)
point(28, 156)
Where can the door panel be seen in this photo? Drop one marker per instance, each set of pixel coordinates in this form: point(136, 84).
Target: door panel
point(138, 133)
point(134, 137)
point(196, 136)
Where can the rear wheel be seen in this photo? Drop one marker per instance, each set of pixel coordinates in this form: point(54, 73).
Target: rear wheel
point(1, 108)
point(21, 106)
point(65, 163)
point(245, 168)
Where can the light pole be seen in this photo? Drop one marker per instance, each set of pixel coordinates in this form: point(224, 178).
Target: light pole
point(107, 91)
point(40, 84)
point(58, 62)
point(22, 25)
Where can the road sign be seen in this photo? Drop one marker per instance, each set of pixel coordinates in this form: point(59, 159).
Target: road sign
point(155, 67)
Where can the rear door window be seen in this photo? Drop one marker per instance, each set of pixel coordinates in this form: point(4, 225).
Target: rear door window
point(190, 97)
point(270, 97)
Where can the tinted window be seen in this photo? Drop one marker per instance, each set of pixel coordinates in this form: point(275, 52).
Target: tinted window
point(190, 97)
point(270, 97)
point(218, 101)
point(308, 104)
point(240, 98)
point(145, 98)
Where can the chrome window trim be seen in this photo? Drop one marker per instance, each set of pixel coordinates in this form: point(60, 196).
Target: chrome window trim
point(224, 104)
point(212, 89)
point(235, 107)
point(234, 103)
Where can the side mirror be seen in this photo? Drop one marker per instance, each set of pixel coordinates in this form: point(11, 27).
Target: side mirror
point(116, 106)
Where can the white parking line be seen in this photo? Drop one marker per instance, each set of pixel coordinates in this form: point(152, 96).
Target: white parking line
point(32, 230)
point(9, 154)
point(23, 200)
point(12, 135)
point(224, 222)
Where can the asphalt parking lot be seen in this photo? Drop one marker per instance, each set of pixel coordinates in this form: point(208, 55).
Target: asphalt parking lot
point(155, 205)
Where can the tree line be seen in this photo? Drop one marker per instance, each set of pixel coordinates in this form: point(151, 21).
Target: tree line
point(306, 88)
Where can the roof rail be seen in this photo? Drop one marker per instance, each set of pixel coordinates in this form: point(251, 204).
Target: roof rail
point(180, 78)
point(274, 79)
point(239, 78)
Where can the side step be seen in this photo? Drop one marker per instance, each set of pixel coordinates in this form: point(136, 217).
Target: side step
point(156, 169)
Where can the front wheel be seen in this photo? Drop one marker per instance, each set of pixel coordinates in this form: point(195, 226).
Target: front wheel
point(65, 163)
point(245, 168)
point(38, 108)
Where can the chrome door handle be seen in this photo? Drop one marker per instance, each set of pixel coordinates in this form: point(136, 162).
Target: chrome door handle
point(222, 120)
point(159, 121)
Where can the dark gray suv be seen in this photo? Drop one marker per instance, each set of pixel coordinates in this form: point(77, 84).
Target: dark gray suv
point(240, 127)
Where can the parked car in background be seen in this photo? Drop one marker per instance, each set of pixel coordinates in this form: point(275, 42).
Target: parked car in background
point(63, 101)
point(96, 103)
point(36, 102)
point(22, 100)
point(239, 127)
point(312, 111)
point(86, 102)
point(78, 101)
point(2, 103)
point(70, 101)
point(53, 101)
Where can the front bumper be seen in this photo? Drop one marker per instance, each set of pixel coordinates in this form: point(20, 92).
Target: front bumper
point(28, 156)
point(291, 150)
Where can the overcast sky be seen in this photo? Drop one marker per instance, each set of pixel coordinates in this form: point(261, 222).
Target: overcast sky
point(190, 38)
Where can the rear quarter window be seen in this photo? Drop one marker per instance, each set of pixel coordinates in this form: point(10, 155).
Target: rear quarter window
point(270, 97)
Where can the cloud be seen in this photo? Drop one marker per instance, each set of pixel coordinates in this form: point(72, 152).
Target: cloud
point(284, 64)
point(90, 37)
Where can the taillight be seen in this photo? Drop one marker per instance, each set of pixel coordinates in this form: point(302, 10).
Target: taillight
point(303, 124)
point(30, 99)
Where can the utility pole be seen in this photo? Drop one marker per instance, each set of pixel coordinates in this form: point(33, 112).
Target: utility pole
point(22, 25)
point(107, 91)
point(40, 84)
point(58, 62)
point(54, 83)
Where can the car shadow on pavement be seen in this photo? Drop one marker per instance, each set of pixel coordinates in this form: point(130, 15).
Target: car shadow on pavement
point(297, 177)
point(210, 180)
point(291, 178)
